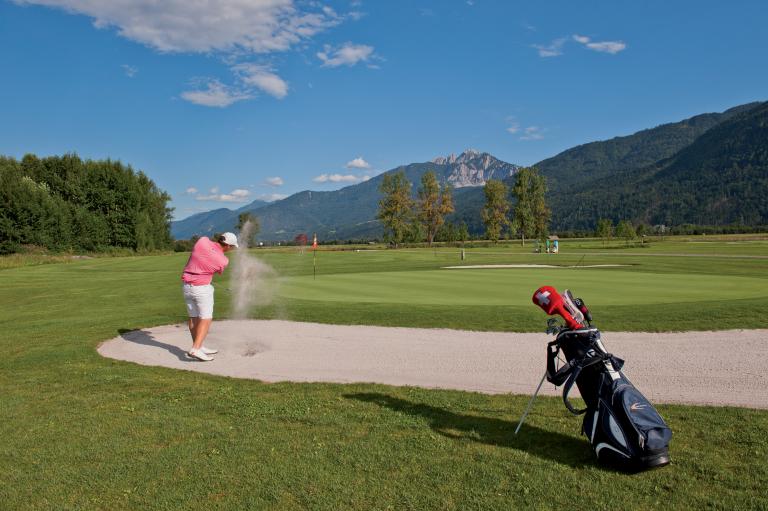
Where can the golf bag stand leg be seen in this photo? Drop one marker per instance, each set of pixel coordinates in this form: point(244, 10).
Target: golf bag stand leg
point(530, 404)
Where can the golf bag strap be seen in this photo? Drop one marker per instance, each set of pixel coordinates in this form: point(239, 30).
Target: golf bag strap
point(556, 376)
point(574, 374)
point(567, 389)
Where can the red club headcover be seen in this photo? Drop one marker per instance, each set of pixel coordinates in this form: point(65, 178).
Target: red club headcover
point(552, 303)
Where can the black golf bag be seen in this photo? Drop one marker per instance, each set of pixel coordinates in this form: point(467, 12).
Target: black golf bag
point(625, 430)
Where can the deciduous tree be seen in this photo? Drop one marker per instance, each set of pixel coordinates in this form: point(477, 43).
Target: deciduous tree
point(626, 230)
point(496, 209)
point(604, 229)
point(395, 207)
point(531, 215)
point(253, 228)
point(433, 204)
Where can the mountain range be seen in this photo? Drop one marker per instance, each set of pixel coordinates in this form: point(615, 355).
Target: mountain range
point(708, 169)
point(348, 213)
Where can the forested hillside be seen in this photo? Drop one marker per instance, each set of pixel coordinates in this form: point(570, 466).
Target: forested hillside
point(617, 178)
point(64, 202)
point(608, 158)
point(722, 178)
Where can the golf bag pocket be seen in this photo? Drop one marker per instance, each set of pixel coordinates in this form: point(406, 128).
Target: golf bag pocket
point(625, 430)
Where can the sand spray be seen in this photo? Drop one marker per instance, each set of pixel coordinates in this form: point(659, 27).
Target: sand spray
point(254, 282)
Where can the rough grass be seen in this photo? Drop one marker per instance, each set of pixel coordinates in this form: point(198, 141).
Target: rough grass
point(83, 432)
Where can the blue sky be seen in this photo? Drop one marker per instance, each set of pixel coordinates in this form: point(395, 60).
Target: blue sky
point(226, 101)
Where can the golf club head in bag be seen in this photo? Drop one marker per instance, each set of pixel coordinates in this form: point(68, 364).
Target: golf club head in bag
point(552, 303)
point(584, 310)
point(569, 302)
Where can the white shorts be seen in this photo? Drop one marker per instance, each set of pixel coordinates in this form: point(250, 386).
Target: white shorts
point(199, 301)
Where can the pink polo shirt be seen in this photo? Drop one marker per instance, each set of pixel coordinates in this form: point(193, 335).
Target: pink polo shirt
point(206, 259)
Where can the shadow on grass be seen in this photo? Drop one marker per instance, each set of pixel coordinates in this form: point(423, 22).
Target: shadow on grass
point(538, 442)
point(145, 338)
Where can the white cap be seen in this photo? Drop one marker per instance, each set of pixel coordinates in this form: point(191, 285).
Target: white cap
point(230, 239)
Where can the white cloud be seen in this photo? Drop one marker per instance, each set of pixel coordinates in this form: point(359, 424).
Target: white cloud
point(532, 133)
point(274, 181)
point(513, 128)
point(191, 190)
point(612, 47)
point(347, 55)
point(215, 189)
point(238, 195)
point(553, 49)
point(215, 94)
point(130, 71)
point(338, 178)
point(261, 77)
point(581, 38)
point(358, 163)
point(252, 26)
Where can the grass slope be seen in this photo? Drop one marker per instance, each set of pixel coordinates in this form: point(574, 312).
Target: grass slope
point(83, 432)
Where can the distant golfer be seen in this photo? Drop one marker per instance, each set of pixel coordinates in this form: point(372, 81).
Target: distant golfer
point(206, 259)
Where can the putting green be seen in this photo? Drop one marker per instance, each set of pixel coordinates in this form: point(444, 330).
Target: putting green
point(516, 286)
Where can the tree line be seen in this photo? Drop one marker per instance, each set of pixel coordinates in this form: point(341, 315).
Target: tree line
point(66, 203)
point(521, 211)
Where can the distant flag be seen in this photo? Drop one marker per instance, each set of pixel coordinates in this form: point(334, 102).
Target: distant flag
point(314, 256)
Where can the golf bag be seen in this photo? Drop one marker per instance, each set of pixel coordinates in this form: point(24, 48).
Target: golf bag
point(623, 427)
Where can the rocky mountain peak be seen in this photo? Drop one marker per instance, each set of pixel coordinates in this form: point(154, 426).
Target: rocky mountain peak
point(469, 154)
point(474, 168)
point(445, 160)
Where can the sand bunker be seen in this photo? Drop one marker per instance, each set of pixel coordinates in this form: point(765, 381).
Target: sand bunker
point(708, 368)
point(484, 266)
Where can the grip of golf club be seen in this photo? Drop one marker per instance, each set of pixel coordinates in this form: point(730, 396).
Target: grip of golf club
point(551, 302)
point(584, 309)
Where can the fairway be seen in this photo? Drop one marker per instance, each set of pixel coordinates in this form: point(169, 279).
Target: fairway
point(514, 287)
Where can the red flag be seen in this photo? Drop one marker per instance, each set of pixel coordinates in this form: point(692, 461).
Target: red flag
point(314, 241)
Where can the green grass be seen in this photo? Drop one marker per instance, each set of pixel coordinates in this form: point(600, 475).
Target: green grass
point(83, 432)
point(654, 291)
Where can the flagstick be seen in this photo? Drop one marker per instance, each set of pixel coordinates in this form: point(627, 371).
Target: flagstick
point(314, 256)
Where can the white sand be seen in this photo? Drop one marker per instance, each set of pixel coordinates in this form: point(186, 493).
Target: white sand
point(487, 266)
point(708, 368)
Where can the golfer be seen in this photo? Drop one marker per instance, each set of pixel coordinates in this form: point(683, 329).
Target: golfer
point(206, 259)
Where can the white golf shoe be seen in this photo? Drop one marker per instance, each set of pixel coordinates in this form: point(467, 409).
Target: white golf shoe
point(209, 351)
point(200, 355)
